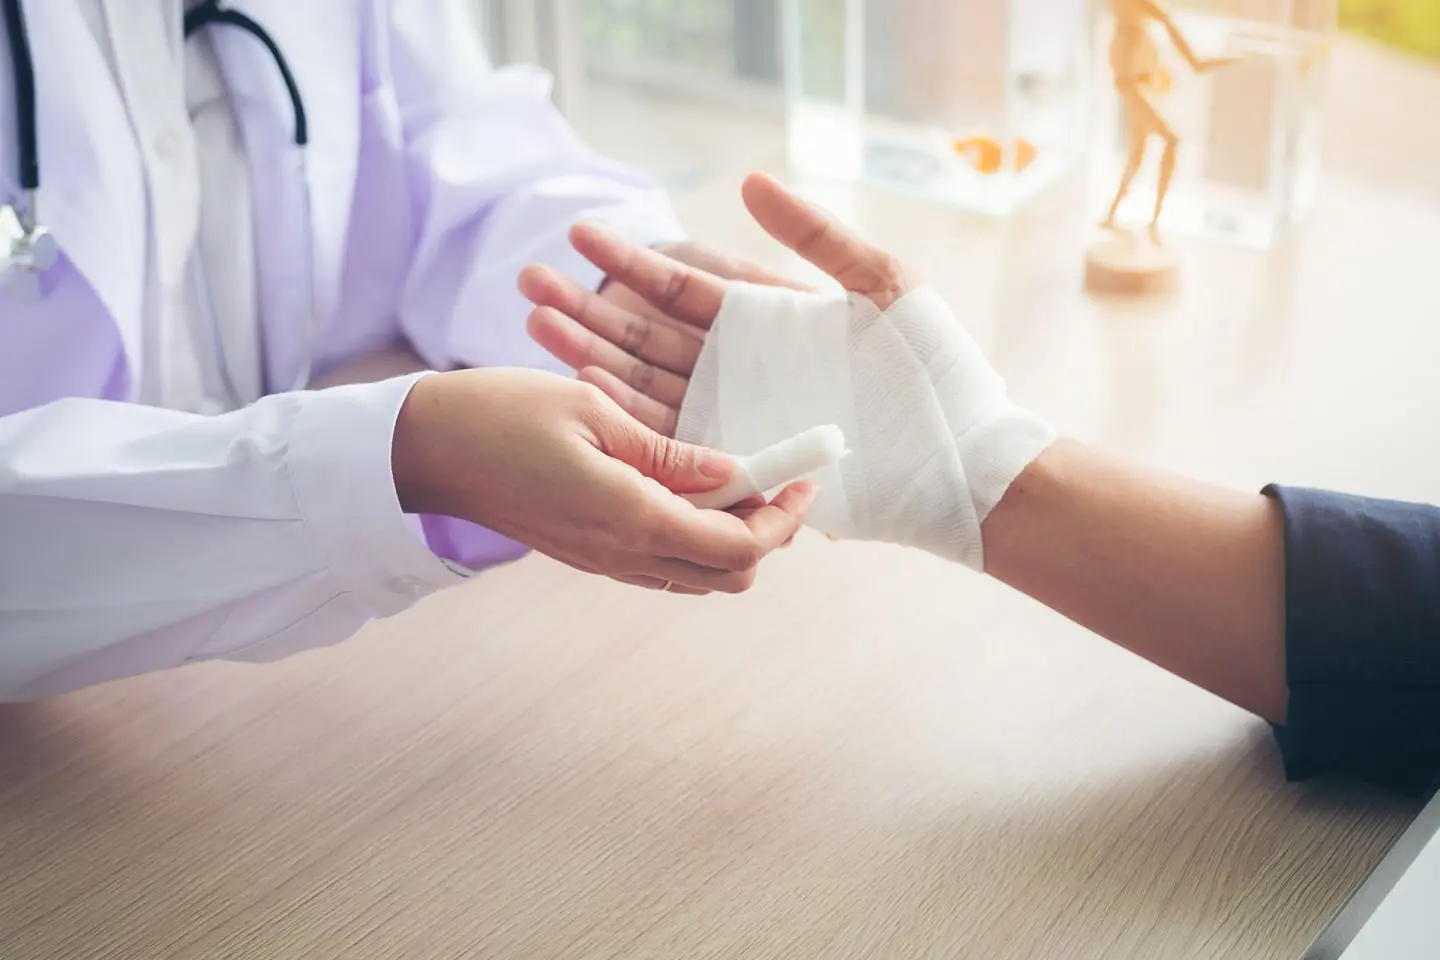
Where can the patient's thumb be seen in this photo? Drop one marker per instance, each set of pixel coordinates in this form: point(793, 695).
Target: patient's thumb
point(783, 214)
point(846, 257)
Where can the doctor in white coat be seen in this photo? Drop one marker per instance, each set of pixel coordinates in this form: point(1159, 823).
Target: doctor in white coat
point(188, 241)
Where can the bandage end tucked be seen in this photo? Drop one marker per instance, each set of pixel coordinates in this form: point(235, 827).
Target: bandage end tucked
point(803, 454)
point(776, 465)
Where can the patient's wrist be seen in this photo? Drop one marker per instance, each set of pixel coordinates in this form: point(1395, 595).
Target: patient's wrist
point(1034, 503)
point(999, 450)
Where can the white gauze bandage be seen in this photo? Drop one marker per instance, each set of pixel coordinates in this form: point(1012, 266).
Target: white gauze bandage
point(934, 441)
point(777, 465)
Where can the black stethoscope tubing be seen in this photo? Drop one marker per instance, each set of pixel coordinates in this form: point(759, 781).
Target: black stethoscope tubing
point(210, 12)
point(23, 67)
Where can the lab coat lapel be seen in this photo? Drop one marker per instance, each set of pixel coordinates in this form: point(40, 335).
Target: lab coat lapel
point(320, 40)
point(92, 190)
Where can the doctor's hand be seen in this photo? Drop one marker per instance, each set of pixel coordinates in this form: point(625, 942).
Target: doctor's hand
point(642, 356)
point(556, 465)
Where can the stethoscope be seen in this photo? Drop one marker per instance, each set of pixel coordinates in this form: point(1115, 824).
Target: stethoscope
point(28, 249)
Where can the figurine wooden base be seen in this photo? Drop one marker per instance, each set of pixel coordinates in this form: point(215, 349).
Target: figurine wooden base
point(1130, 265)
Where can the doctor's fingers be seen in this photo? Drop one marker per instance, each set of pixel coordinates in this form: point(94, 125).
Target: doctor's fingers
point(665, 586)
point(674, 288)
point(814, 234)
point(770, 526)
point(666, 345)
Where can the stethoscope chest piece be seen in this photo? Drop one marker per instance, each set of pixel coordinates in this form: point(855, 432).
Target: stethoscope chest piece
point(26, 251)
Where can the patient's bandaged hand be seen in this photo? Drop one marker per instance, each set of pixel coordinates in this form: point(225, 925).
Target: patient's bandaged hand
point(934, 441)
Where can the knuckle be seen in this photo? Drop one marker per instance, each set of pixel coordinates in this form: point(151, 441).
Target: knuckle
point(670, 459)
point(588, 398)
point(890, 273)
point(748, 557)
point(591, 406)
point(675, 286)
point(890, 270)
point(642, 377)
point(890, 280)
point(816, 236)
point(634, 334)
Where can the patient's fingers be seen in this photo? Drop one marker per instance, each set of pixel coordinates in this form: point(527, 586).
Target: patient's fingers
point(576, 347)
point(658, 416)
point(662, 345)
point(680, 291)
point(818, 237)
point(729, 266)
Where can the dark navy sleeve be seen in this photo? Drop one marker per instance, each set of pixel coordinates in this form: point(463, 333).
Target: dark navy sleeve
point(1362, 639)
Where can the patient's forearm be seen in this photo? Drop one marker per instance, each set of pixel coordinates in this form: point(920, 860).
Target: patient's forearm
point(1189, 576)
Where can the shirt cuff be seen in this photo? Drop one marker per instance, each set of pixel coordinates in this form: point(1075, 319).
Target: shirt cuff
point(340, 470)
point(1362, 666)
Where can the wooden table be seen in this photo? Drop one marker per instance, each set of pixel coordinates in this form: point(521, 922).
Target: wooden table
point(872, 754)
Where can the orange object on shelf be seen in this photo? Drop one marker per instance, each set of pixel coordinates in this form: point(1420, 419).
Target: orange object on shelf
point(986, 154)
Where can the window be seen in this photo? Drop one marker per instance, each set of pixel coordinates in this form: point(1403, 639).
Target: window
point(711, 48)
point(714, 40)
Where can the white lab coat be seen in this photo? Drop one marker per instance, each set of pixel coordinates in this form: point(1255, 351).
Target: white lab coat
point(134, 538)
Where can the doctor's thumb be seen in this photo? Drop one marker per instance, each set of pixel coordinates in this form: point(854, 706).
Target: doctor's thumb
point(679, 467)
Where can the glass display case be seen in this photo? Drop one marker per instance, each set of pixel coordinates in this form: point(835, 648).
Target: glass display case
point(977, 104)
point(1249, 132)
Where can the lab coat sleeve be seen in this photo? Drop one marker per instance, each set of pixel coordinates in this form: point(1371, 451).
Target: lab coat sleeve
point(135, 539)
point(497, 177)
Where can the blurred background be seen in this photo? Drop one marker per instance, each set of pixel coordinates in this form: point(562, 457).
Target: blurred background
point(1236, 380)
point(1412, 25)
point(710, 75)
point(628, 66)
point(723, 49)
point(737, 40)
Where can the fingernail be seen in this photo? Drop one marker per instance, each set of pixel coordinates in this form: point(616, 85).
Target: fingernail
point(716, 466)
